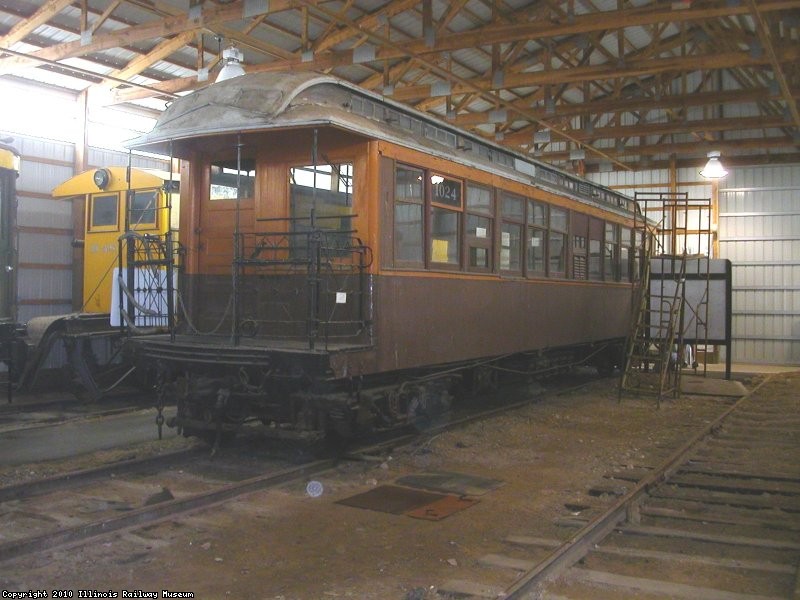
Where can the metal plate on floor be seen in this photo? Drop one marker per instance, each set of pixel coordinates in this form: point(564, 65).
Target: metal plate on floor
point(451, 483)
point(438, 510)
point(391, 499)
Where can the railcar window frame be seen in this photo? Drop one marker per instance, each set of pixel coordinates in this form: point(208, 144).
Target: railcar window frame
point(478, 241)
point(511, 221)
point(558, 230)
point(449, 208)
point(221, 170)
point(579, 232)
point(626, 251)
point(405, 202)
point(596, 229)
point(536, 230)
point(611, 264)
point(332, 187)
point(138, 217)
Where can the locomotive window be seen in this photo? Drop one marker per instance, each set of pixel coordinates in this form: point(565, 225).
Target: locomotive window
point(142, 209)
point(557, 243)
point(224, 176)
point(536, 242)
point(408, 238)
point(479, 227)
point(105, 212)
point(611, 255)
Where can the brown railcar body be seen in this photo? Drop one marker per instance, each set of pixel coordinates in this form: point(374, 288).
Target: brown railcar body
point(306, 346)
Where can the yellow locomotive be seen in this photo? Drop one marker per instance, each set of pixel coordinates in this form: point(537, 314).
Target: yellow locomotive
point(117, 200)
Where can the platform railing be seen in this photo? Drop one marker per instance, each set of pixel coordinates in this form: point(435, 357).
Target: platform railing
point(302, 278)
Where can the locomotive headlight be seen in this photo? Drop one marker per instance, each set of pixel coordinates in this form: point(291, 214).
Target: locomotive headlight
point(101, 178)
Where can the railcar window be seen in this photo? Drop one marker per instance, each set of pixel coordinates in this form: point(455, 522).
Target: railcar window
point(637, 256)
point(142, 209)
point(409, 198)
point(579, 228)
point(557, 244)
point(328, 190)
point(536, 241)
point(105, 212)
point(625, 253)
point(611, 255)
point(446, 204)
point(479, 227)
point(224, 176)
point(595, 249)
point(512, 209)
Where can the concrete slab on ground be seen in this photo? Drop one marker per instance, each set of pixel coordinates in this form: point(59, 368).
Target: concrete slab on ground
point(694, 384)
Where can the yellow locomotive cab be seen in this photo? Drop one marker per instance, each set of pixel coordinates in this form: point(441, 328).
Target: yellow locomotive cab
point(116, 200)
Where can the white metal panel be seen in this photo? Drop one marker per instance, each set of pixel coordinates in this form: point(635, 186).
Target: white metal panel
point(112, 158)
point(53, 284)
point(759, 231)
point(35, 147)
point(45, 248)
point(39, 212)
point(41, 177)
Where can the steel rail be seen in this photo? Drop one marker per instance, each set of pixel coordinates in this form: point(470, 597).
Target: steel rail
point(65, 481)
point(577, 547)
point(157, 512)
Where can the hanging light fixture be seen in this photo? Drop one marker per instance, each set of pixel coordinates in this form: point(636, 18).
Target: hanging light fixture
point(232, 59)
point(713, 168)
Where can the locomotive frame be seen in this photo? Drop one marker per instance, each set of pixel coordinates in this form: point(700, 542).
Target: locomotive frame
point(353, 260)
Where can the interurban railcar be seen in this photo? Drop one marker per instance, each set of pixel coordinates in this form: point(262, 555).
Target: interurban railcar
point(348, 262)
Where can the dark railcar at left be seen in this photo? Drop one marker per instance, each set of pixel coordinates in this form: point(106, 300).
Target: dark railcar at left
point(9, 170)
point(348, 262)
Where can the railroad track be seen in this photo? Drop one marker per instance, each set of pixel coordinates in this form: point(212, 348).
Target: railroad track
point(39, 515)
point(76, 507)
point(57, 409)
point(719, 520)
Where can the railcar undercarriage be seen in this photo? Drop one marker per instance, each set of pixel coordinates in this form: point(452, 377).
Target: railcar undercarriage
point(293, 397)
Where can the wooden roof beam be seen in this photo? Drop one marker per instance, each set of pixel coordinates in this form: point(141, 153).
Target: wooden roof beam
point(159, 28)
point(730, 148)
point(648, 129)
point(160, 52)
point(622, 105)
point(48, 10)
point(631, 69)
point(777, 69)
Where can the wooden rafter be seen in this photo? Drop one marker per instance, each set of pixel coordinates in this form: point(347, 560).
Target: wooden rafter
point(40, 17)
point(183, 22)
point(777, 69)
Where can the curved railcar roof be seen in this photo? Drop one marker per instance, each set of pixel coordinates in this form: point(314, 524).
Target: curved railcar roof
point(264, 101)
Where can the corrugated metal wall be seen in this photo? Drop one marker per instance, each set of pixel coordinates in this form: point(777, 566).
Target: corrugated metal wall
point(44, 227)
point(759, 231)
